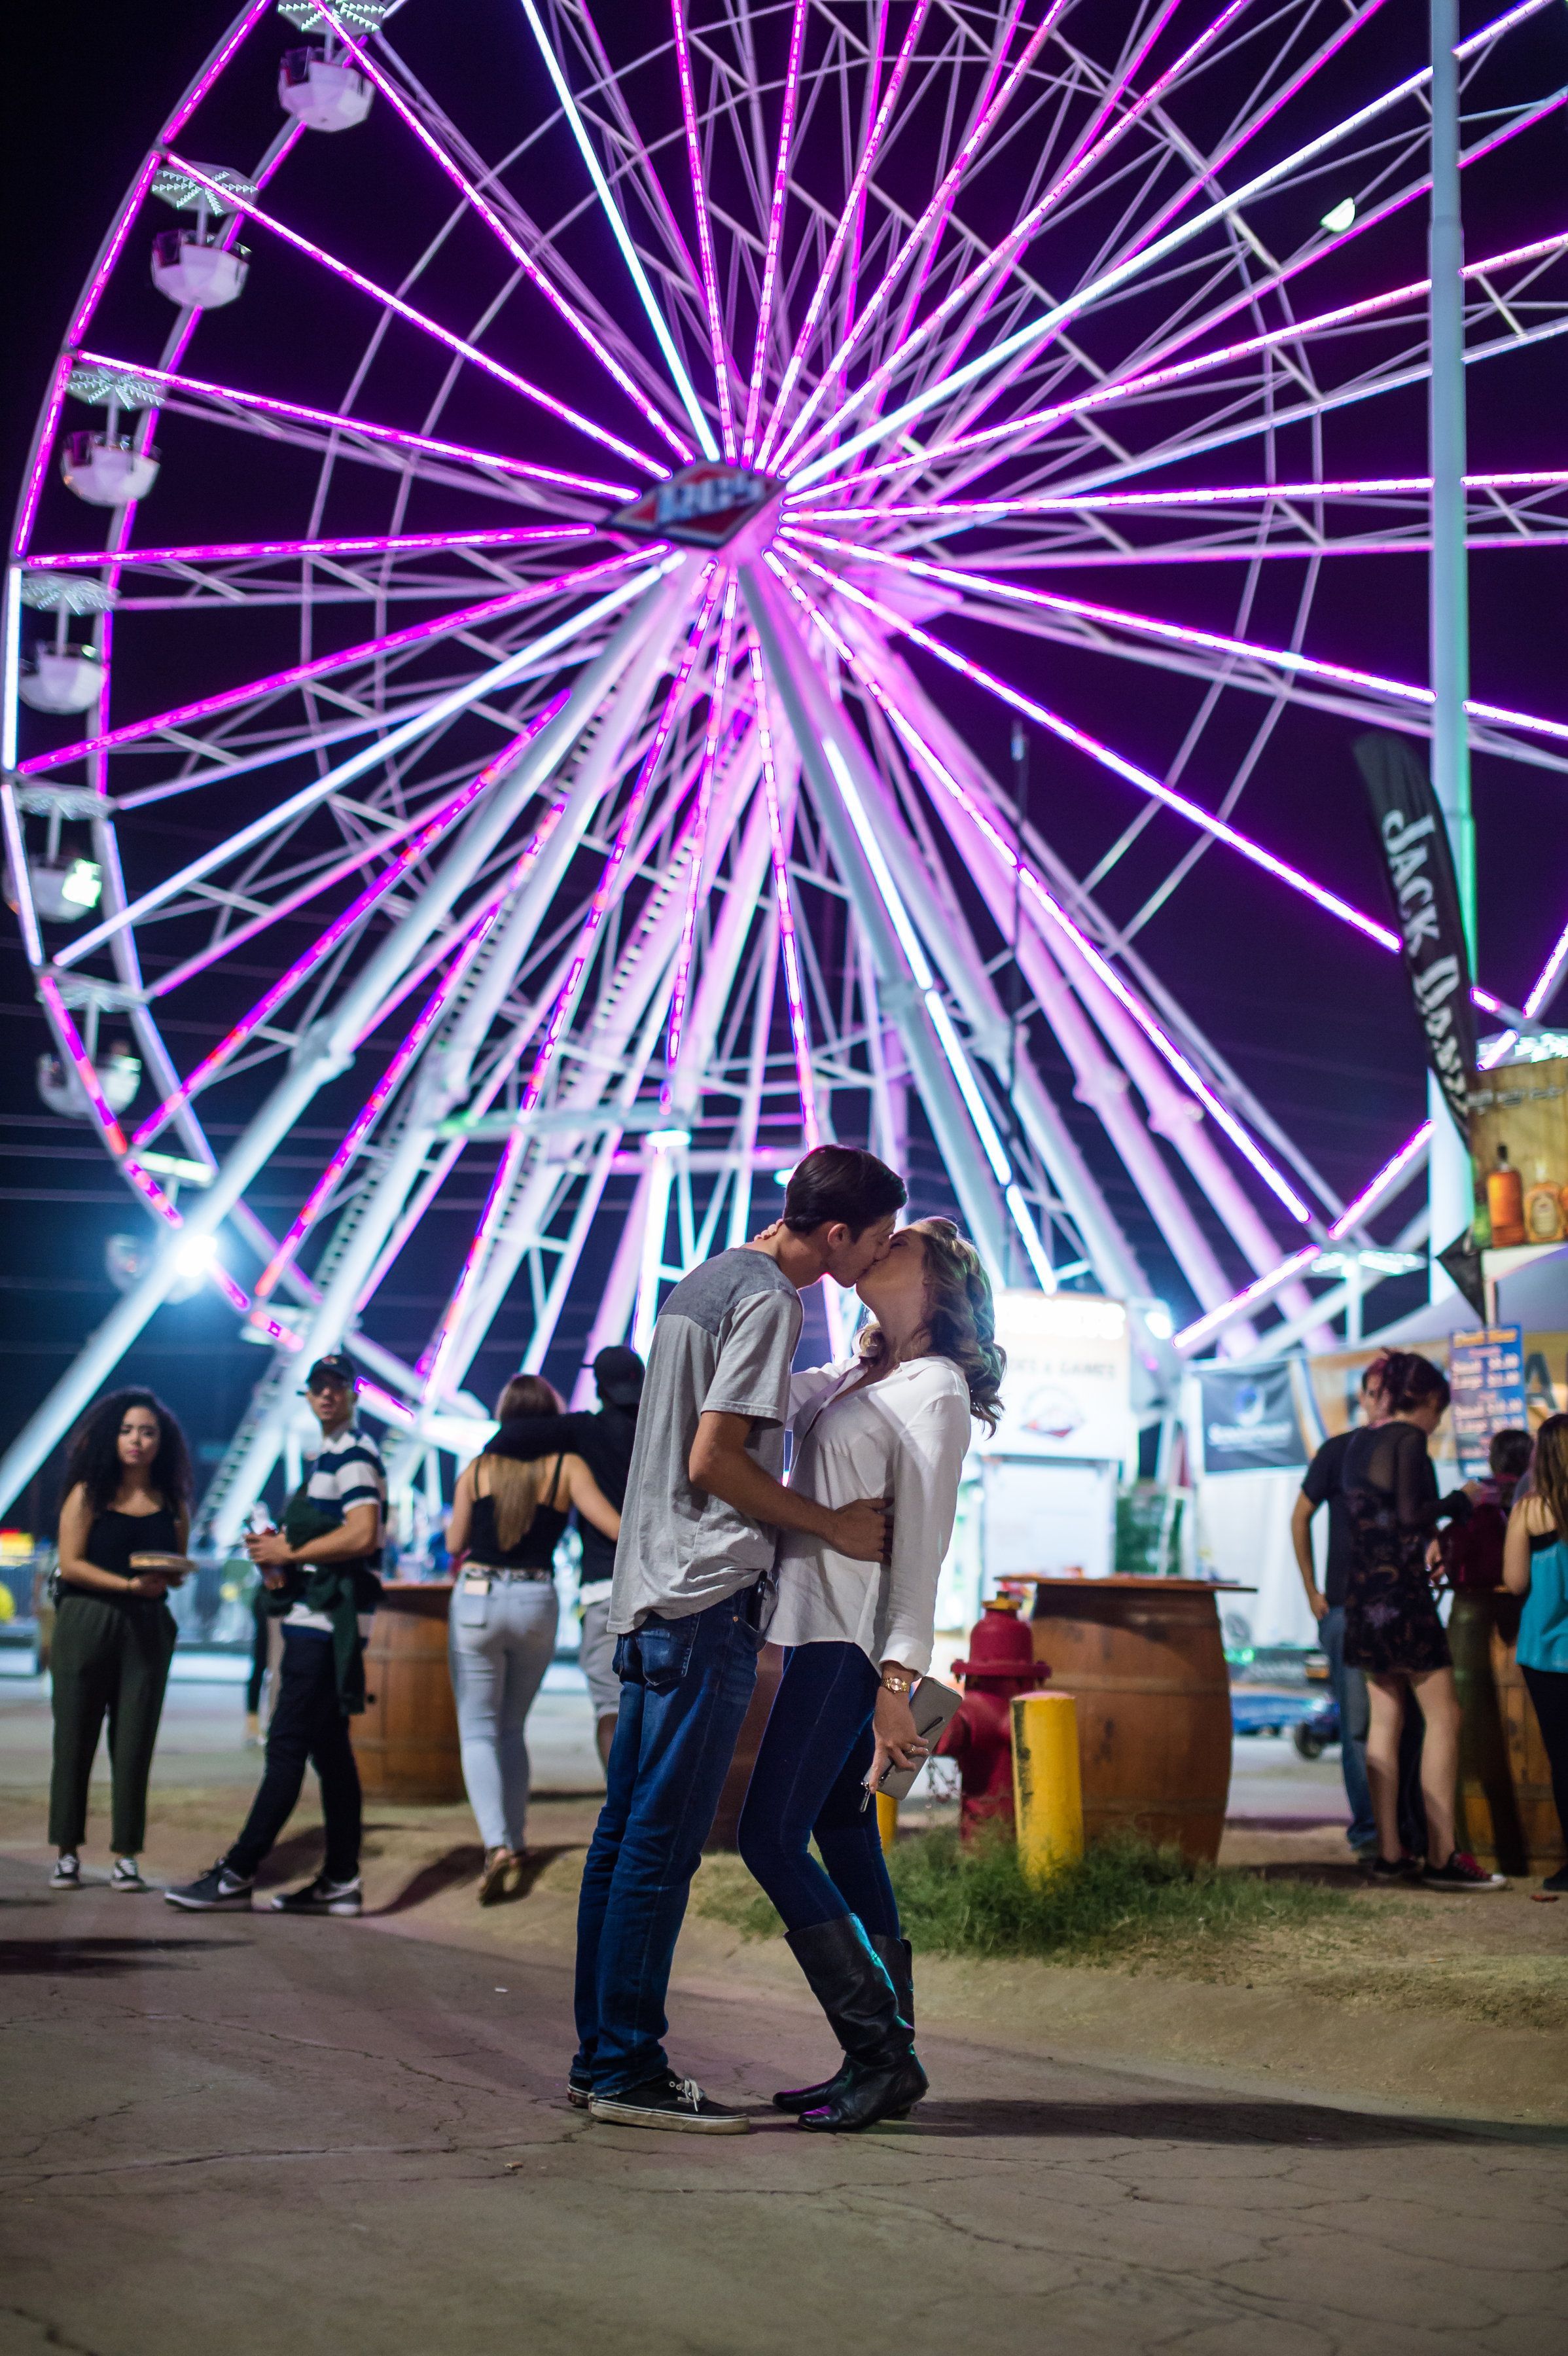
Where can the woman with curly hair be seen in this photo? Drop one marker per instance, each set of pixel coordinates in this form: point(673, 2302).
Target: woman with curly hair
point(127, 1493)
point(894, 1421)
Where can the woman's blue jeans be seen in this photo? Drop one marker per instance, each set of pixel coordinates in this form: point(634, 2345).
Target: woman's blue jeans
point(685, 1689)
point(808, 1783)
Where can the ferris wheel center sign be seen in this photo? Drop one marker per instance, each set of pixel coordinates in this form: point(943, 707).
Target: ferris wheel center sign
point(707, 505)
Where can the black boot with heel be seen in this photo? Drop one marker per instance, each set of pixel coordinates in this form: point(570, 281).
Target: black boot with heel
point(866, 1988)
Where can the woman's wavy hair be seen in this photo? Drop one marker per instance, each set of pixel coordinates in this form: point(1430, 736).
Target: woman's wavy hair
point(1548, 1475)
point(92, 1457)
point(515, 1484)
point(960, 1322)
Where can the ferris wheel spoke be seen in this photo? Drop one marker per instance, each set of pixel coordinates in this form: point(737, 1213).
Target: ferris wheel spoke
point(495, 222)
point(388, 301)
point(371, 650)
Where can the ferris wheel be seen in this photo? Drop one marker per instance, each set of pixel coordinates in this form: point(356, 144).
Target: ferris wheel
point(550, 701)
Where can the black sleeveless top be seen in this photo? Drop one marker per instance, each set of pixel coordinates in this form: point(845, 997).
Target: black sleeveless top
point(112, 1539)
point(535, 1550)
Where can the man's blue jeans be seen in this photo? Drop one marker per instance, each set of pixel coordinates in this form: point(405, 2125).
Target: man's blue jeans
point(1350, 1691)
point(686, 1687)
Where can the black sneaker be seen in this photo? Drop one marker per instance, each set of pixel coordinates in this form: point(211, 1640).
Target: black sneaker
point(67, 1874)
point(217, 1890)
point(666, 2101)
point(127, 1875)
point(1401, 1869)
point(321, 1897)
point(1462, 1872)
point(579, 2090)
point(1558, 1880)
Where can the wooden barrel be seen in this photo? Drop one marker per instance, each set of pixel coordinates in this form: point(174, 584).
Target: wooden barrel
point(1144, 1661)
point(1543, 1834)
point(1489, 1824)
point(406, 1741)
point(732, 1799)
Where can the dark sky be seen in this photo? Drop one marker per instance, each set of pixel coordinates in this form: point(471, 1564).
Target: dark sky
point(1318, 1023)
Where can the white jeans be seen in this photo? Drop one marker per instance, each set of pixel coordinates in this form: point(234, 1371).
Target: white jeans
point(500, 1645)
point(595, 1659)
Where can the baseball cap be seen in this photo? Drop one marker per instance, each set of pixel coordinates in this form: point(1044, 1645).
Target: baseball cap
point(618, 1373)
point(335, 1368)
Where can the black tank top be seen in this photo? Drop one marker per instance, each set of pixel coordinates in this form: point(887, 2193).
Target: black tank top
point(112, 1539)
point(535, 1550)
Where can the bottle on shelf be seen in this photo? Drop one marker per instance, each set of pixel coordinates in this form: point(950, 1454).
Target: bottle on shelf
point(1504, 1202)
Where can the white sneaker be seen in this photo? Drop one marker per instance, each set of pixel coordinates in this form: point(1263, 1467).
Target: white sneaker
point(127, 1875)
point(67, 1874)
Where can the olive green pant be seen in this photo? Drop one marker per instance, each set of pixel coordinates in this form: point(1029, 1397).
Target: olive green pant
point(114, 1658)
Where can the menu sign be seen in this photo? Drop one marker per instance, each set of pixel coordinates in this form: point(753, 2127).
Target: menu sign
point(1486, 1373)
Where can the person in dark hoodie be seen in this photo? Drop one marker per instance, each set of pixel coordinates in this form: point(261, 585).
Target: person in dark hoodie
point(320, 1569)
point(604, 1440)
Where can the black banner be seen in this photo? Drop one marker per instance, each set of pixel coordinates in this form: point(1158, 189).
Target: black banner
point(1250, 1420)
point(1415, 844)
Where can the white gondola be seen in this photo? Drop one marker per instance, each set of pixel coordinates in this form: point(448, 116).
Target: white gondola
point(325, 97)
point(197, 273)
point(62, 679)
point(119, 1077)
point(107, 473)
point(63, 890)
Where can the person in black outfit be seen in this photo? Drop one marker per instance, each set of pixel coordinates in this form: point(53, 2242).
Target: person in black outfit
point(604, 1441)
point(1391, 1627)
point(127, 1493)
point(1323, 1485)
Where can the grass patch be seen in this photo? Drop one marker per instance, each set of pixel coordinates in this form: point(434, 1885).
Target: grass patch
point(1125, 1903)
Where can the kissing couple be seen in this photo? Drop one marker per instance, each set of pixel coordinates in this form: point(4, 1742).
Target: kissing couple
point(841, 1566)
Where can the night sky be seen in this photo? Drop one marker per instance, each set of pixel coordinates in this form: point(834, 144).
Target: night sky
point(1317, 1021)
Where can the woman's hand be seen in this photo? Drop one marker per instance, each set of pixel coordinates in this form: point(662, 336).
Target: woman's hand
point(897, 1743)
point(148, 1583)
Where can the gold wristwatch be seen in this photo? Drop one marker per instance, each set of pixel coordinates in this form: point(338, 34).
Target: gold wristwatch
point(894, 1684)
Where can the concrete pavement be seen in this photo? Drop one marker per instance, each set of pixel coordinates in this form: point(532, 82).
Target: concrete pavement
point(260, 2136)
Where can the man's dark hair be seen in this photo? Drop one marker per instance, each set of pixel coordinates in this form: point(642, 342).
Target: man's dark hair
point(1509, 1453)
point(843, 1183)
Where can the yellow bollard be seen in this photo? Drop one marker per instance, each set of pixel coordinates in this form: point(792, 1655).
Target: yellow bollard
point(1047, 1794)
point(886, 1821)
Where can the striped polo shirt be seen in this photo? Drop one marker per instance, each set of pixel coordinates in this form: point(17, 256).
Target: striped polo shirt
point(347, 1470)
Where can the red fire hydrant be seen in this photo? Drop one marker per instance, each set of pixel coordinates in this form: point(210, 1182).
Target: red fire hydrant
point(1001, 1664)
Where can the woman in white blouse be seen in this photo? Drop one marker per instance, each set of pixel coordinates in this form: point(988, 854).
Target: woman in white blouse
point(893, 1420)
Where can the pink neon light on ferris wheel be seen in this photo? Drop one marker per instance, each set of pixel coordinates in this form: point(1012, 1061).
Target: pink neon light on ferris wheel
point(369, 650)
point(775, 223)
point(404, 543)
point(1043, 898)
point(854, 203)
point(303, 966)
point(1180, 634)
point(700, 842)
point(707, 262)
point(493, 221)
point(1035, 333)
point(1102, 754)
point(610, 879)
point(794, 988)
point(1001, 257)
point(329, 421)
point(1551, 974)
point(881, 293)
point(1385, 1182)
point(420, 319)
point(985, 511)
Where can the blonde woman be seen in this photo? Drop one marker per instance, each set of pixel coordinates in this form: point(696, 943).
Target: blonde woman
point(894, 1421)
point(507, 1520)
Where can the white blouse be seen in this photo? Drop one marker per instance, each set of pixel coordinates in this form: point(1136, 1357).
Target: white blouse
point(904, 1437)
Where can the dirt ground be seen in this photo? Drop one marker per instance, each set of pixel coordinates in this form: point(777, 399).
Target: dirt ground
point(1456, 2007)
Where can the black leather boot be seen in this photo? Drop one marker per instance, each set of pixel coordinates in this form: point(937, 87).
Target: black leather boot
point(881, 2078)
point(898, 1963)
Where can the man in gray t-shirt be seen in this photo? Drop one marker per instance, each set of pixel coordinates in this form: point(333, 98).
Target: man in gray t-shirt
point(703, 1507)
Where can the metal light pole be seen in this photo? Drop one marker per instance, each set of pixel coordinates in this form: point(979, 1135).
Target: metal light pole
point(1449, 1185)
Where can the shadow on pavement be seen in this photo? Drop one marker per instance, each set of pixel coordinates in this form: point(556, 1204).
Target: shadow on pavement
point(95, 1958)
point(1190, 2121)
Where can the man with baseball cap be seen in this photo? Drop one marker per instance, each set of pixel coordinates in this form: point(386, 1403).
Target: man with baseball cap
point(320, 1569)
point(604, 1441)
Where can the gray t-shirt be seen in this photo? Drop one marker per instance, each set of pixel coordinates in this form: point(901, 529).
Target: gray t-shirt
point(723, 1343)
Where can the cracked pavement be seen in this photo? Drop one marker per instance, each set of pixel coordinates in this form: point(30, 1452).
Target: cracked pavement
point(261, 2136)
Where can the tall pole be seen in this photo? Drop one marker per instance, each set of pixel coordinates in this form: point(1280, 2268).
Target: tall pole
point(1449, 1187)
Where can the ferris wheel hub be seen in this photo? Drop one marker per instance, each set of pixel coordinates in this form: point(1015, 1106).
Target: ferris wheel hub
point(707, 505)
